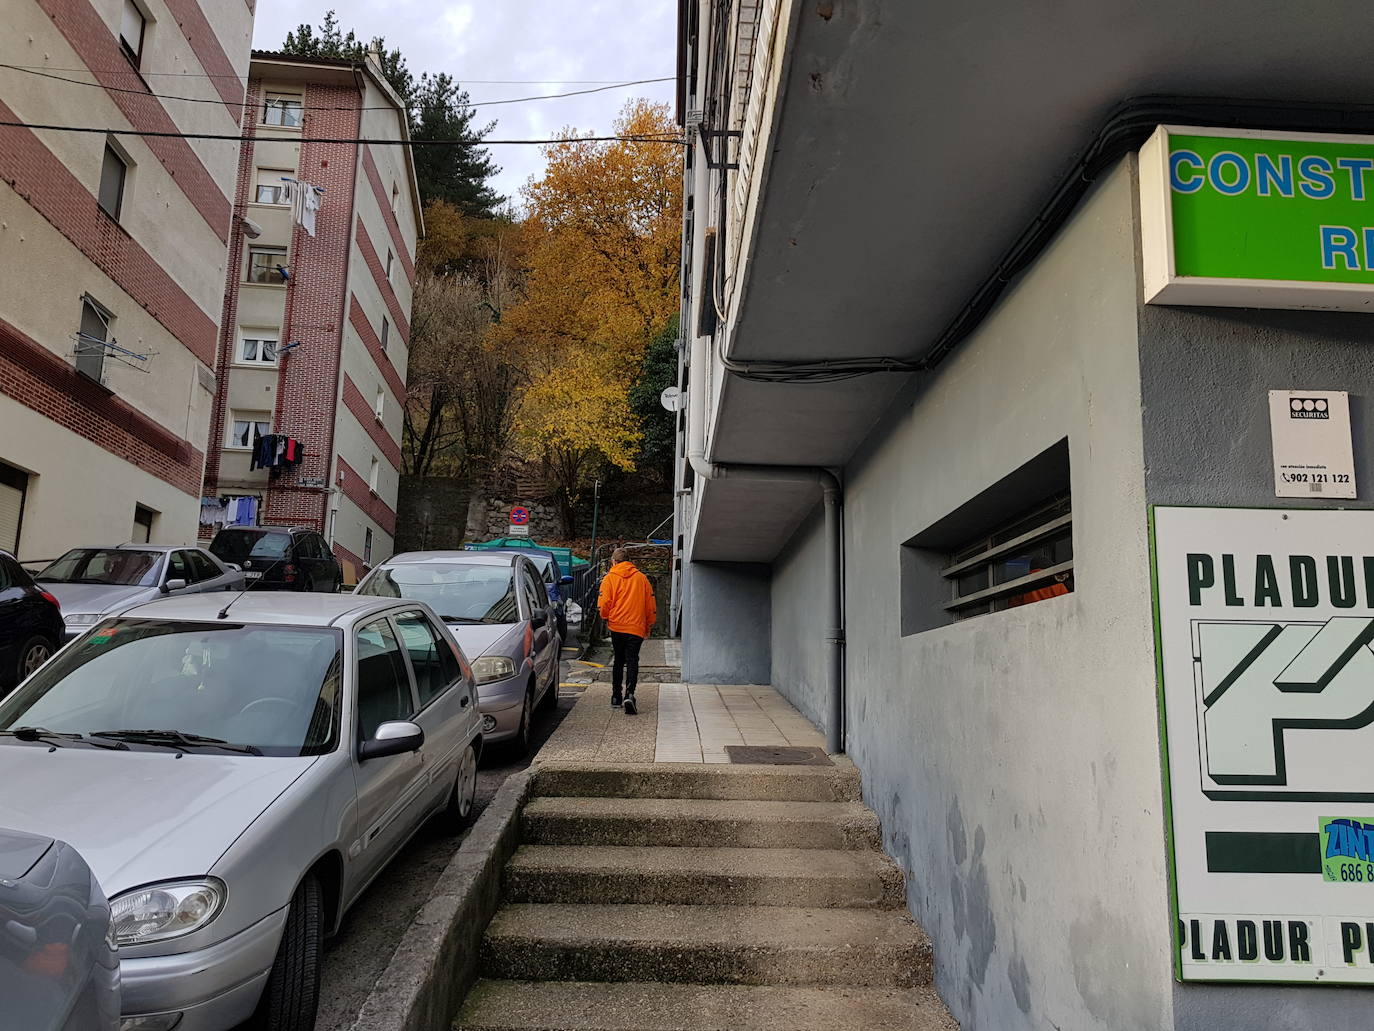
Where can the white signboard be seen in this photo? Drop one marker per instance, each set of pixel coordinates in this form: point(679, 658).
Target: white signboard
point(518, 530)
point(1265, 620)
point(1313, 456)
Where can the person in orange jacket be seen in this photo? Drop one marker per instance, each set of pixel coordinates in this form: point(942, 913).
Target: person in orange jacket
point(627, 605)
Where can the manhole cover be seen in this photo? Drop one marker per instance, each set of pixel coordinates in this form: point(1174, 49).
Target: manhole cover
point(767, 755)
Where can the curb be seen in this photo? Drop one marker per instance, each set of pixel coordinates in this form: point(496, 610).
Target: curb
point(435, 964)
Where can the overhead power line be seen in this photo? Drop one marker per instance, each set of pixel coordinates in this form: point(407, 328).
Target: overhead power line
point(236, 103)
point(234, 75)
point(238, 138)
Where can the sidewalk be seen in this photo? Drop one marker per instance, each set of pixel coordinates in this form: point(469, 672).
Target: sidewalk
point(678, 723)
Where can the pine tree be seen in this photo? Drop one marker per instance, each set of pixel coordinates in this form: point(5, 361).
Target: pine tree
point(438, 109)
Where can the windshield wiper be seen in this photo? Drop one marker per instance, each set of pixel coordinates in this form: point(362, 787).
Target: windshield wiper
point(56, 738)
point(175, 739)
point(459, 619)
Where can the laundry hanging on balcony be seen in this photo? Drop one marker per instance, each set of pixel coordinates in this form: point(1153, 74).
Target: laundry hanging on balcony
point(275, 450)
point(305, 199)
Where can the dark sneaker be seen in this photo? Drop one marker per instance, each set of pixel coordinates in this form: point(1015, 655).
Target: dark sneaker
point(630, 707)
point(615, 701)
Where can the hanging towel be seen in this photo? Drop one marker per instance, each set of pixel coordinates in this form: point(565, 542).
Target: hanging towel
point(310, 205)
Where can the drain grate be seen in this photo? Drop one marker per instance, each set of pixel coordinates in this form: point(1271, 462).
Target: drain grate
point(768, 755)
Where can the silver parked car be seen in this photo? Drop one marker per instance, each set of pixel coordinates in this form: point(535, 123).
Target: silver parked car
point(91, 582)
point(236, 770)
point(59, 969)
point(497, 607)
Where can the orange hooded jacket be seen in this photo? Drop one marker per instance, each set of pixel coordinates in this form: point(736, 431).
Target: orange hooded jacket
point(627, 601)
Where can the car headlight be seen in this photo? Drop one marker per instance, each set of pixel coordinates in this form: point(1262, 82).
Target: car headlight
point(81, 618)
point(492, 667)
point(163, 911)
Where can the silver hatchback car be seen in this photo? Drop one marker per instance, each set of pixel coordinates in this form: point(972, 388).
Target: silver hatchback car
point(496, 605)
point(237, 770)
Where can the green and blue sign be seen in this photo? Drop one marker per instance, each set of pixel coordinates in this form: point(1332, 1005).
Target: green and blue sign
point(1259, 219)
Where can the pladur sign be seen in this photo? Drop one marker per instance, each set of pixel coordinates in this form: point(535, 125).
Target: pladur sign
point(1264, 624)
point(1257, 219)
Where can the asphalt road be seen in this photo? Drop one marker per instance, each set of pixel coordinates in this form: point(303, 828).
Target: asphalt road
point(358, 955)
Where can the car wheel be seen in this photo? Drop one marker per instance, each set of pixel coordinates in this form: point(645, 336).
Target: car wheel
point(520, 744)
point(36, 651)
point(464, 797)
point(292, 993)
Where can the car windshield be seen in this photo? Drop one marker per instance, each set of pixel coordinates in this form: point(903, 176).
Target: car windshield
point(459, 592)
point(274, 689)
point(114, 566)
point(237, 546)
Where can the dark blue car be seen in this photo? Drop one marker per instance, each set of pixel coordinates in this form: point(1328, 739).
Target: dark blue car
point(31, 625)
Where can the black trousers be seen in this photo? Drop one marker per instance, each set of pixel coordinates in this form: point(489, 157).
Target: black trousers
point(626, 668)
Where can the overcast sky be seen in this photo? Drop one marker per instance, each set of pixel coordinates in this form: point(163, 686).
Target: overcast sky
point(613, 40)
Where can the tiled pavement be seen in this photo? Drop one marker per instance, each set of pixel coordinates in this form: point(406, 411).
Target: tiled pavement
point(697, 721)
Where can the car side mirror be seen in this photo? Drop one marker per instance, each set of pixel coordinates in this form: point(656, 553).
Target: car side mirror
point(392, 738)
point(566, 579)
point(538, 619)
point(233, 567)
point(173, 585)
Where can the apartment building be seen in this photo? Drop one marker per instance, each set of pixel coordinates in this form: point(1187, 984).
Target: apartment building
point(1027, 451)
point(113, 252)
point(312, 351)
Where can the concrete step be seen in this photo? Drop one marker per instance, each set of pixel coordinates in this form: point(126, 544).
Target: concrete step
point(820, 878)
point(706, 945)
point(839, 783)
point(687, 822)
point(636, 1006)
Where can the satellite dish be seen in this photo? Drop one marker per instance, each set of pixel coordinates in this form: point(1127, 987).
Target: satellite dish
point(671, 399)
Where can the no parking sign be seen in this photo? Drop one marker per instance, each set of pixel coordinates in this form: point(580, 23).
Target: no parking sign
point(519, 521)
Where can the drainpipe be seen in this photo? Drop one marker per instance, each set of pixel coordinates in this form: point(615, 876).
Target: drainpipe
point(833, 496)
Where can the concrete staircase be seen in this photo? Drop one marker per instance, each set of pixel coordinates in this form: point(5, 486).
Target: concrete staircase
point(679, 897)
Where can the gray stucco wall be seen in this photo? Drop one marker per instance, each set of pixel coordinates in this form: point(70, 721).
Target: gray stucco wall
point(1207, 442)
point(1013, 758)
point(798, 637)
point(727, 616)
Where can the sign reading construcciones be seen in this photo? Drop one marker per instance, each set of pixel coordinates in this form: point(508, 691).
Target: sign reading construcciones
point(1257, 219)
point(1265, 620)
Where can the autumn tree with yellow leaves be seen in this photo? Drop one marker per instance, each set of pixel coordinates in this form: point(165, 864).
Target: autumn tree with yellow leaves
point(602, 237)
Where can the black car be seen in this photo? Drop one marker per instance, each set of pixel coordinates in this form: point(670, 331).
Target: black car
point(30, 623)
point(282, 558)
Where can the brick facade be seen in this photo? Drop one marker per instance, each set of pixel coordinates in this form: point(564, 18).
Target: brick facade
point(44, 182)
point(373, 343)
point(308, 375)
point(367, 418)
point(355, 488)
point(44, 382)
point(98, 48)
point(378, 269)
point(209, 53)
point(379, 190)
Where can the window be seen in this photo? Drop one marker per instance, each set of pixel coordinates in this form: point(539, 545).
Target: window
point(1025, 560)
point(390, 260)
point(536, 597)
point(113, 171)
point(132, 25)
point(14, 488)
point(269, 187)
point(373, 468)
point(143, 525)
point(90, 340)
point(177, 568)
point(386, 331)
point(367, 546)
point(246, 427)
point(1010, 545)
point(379, 405)
point(203, 566)
point(266, 264)
point(383, 683)
point(284, 109)
point(432, 661)
point(257, 347)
